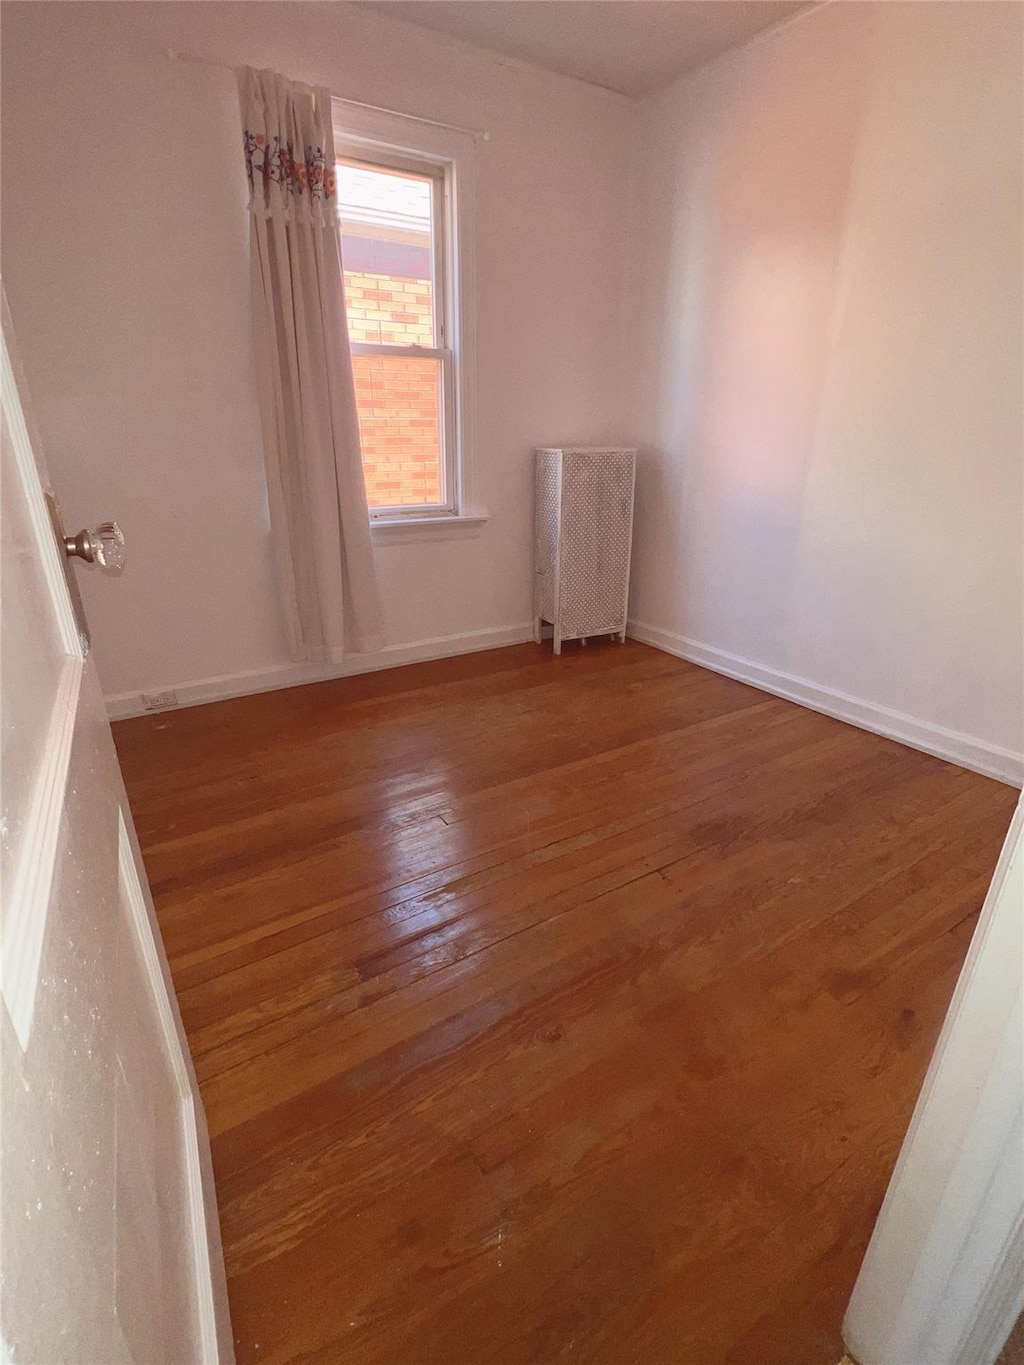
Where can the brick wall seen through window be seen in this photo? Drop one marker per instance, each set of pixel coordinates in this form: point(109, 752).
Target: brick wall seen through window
point(388, 259)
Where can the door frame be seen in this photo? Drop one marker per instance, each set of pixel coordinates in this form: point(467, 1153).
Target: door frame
point(940, 1281)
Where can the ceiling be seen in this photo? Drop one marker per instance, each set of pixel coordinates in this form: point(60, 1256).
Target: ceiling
point(633, 46)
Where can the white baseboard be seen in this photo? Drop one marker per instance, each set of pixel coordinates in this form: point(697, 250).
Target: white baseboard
point(968, 752)
point(124, 704)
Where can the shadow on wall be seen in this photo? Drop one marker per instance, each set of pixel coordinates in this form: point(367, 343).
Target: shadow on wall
point(742, 286)
point(830, 363)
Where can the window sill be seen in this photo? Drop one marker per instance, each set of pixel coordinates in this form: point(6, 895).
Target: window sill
point(415, 530)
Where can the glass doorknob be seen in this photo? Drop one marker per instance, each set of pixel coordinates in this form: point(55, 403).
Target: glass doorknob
point(103, 545)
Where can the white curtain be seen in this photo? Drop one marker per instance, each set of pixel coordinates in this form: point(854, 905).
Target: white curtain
point(308, 417)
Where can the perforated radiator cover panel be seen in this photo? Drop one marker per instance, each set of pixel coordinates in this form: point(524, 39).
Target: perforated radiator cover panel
point(546, 533)
point(584, 535)
point(597, 503)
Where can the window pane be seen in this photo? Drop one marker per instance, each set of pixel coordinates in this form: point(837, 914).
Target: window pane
point(398, 398)
point(386, 233)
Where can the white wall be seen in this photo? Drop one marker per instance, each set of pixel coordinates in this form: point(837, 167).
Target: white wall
point(829, 223)
point(124, 234)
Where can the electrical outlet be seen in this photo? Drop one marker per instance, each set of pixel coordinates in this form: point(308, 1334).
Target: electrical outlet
point(158, 701)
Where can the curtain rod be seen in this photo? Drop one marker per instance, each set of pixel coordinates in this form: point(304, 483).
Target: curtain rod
point(174, 56)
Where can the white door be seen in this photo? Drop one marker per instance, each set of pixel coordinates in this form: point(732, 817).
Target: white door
point(110, 1246)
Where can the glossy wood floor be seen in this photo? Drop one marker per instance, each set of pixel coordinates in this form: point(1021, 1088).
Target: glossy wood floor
point(552, 1009)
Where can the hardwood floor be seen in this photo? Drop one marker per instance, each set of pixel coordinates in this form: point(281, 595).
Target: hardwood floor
point(552, 1009)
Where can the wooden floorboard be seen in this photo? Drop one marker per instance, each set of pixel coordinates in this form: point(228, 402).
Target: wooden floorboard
point(552, 1009)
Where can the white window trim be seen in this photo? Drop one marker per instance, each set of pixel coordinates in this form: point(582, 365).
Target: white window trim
point(365, 134)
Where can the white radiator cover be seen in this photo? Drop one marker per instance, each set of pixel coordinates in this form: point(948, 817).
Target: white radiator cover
point(583, 539)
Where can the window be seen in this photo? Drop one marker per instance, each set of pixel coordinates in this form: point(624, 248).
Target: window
point(402, 296)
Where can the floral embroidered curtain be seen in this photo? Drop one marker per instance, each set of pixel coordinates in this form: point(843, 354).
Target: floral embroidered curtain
point(317, 495)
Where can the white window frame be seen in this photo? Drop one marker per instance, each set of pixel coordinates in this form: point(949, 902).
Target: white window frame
point(446, 155)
